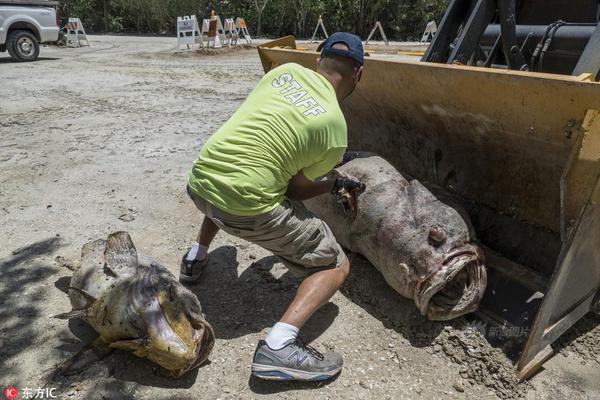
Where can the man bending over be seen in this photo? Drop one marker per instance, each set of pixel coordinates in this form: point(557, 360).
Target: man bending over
point(252, 174)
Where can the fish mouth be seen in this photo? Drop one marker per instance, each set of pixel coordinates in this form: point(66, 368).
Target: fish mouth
point(457, 288)
point(204, 341)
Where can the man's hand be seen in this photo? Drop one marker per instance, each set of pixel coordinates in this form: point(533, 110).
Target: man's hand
point(349, 184)
point(345, 189)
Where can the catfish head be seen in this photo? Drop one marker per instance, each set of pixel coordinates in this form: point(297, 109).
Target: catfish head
point(450, 273)
point(171, 329)
point(139, 306)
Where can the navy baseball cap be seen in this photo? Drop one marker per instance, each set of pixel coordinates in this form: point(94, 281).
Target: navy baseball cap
point(355, 47)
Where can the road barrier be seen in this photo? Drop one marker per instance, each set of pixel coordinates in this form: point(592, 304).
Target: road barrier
point(188, 33)
point(213, 29)
point(377, 25)
point(76, 33)
point(231, 32)
point(240, 24)
point(430, 31)
point(322, 25)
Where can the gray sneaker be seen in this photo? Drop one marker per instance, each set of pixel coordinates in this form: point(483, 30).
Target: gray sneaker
point(190, 271)
point(295, 361)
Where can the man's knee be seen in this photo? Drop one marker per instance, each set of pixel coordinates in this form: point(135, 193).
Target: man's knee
point(344, 268)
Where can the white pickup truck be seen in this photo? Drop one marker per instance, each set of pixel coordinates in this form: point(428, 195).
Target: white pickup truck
point(24, 24)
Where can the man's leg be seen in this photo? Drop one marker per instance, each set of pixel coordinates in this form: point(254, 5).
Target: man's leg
point(314, 292)
point(281, 356)
point(196, 258)
point(207, 232)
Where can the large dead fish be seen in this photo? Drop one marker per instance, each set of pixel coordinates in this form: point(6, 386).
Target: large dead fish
point(139, 306)
point(423, 247)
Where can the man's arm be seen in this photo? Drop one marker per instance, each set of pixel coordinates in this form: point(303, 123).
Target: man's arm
point(301, 188)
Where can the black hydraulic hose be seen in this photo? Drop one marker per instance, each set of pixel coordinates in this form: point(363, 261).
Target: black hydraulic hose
point(538, 48)
point(545, 42)
point(549, 41)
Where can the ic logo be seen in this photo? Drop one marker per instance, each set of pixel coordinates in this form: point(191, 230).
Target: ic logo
point(11, 392)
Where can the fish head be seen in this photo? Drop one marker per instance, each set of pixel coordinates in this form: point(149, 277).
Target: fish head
point(173, 331)
point(451, 275)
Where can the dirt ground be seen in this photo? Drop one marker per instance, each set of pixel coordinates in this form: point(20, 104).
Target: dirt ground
point(101, 139)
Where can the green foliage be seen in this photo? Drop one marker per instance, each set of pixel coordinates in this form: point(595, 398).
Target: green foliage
point(401, 19)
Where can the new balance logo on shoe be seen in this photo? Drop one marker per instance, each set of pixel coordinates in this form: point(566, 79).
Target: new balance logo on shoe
point(299, 357)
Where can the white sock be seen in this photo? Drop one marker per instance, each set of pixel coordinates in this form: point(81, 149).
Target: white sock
point(281, 334)
point(197, 252)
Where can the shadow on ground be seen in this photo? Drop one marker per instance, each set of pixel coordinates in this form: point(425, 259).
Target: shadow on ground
point(21, 300)
point(8, 60)
point(236, 306)
point(367, 288)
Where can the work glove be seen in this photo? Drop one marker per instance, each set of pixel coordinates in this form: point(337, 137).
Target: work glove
point(345, 189)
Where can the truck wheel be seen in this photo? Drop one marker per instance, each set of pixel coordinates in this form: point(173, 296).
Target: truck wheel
point(22, 46)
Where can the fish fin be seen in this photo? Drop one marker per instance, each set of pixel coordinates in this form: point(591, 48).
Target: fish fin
point(137, 346)
point(89, 354)
point(120, 255)
point(64, 262)
point(83, 293)
point(82, 313)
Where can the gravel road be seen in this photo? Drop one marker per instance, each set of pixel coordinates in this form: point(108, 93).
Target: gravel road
point(101, 139)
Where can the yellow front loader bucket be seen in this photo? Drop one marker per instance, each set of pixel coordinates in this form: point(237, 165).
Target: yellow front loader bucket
point(520, 150)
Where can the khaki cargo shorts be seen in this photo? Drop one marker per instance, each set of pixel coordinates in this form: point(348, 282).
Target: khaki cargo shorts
point(303, 242)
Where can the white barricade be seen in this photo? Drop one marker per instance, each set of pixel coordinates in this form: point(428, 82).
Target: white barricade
point(76, 33)
point(231, 33)
point(322, 25)
point(377, 25)
point(213, 29)
point(430, 31)
point(188, 33)
point(240, 24)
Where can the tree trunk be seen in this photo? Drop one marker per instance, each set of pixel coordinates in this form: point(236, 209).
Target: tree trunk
point(258, 23)
point(106, 16)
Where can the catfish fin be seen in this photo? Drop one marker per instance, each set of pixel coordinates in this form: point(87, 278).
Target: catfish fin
point(64, 262)
point(120, 254)
point(137, 346)
point(82, 313)
point(89, 354)
point(83, 293)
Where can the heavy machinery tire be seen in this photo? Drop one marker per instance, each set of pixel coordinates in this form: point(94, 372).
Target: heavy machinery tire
point(22, 46)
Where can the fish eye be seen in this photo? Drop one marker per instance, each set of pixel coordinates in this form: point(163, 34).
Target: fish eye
point(437, 236)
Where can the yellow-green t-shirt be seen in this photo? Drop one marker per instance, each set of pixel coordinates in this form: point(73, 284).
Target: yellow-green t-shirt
point(290, 122)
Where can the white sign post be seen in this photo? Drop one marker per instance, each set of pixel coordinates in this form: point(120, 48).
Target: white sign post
point(76, 33)
point(240, 25)
point(378, 25)
point(188, 32)
point(319, 24)
point(430, 31)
